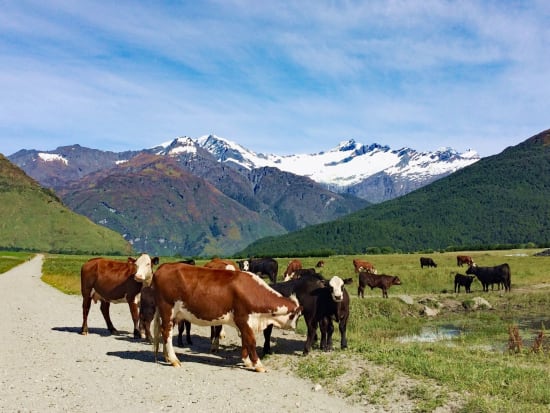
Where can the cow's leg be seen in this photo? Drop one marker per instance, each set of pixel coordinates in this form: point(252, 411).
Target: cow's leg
point(327, 329)
point(384, 292)
point(164, 327)
point(134, 311)
point(105, 311)
point(215, 334)
point(248, 351)
point(267, 339)
point(311, 335)
point(184, 325)
point(86, 304)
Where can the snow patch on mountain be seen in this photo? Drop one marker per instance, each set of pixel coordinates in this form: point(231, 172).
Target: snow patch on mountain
point(348, 163)
point(52, 157)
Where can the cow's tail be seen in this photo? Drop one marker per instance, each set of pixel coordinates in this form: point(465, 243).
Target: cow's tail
point(156, 333)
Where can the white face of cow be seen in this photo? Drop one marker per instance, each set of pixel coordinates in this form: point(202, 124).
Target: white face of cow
point(337, 288)
point(144, 271)
point(246, 265)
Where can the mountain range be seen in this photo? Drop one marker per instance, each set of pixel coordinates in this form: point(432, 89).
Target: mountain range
point(501, 201)
point(211, 196)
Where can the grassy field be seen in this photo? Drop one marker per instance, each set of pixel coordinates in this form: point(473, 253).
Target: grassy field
point(475, 361)
point(10, 259)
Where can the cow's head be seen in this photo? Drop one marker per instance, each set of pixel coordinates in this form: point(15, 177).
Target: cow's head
point(396, 281)
point(244, 265)
point(144, 268)
point(336, 285)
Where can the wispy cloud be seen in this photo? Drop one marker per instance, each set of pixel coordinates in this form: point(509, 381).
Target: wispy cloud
point(275, 76)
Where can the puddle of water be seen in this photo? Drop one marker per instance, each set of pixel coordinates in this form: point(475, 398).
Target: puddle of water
point(431, 335)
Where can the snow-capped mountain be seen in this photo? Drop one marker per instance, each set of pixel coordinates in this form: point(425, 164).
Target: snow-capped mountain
point(349, 165)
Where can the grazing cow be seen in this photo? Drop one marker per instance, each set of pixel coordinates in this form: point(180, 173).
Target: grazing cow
point(464, 259)
point(384, 282)
point(320, 264)
point(261, 266)
point(361, 265)
point(322, 302)
point(221, 264)
point(302, 271)
point(427, 262)
point(465, 281)
point(210, 297)
point(114, 281)
point(190, 261)
point(293, 265)
point(499, 274)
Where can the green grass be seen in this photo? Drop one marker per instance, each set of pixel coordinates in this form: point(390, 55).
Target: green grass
point(476, 364)
point(10, 259)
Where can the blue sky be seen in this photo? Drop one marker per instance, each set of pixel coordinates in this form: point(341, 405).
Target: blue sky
point(277, 77)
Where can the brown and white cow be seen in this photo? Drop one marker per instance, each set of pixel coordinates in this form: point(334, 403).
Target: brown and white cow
point(208, 297)
point(291, 268)
point(464, 259)
point(114, 281)
point(362, 265)
point(222, 264)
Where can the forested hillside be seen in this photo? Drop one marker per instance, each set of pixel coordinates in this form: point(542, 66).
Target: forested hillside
point(499, 200)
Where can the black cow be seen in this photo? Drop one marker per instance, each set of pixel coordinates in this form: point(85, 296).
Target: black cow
point(499, 274)
point(323, 301)
point(383, 281)
point(261, 266)
point(465, 281)
point(427, 262)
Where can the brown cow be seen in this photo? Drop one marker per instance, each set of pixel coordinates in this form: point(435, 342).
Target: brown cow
point(361, 265)
point(114, 281)
point(222, 264)
point(320, 264)
point(293, 265)
point(384, 282)
point(464, 259)
point(207, 297)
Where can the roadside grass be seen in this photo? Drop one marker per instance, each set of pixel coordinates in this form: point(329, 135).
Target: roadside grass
point(10, 259)
point(476, 363)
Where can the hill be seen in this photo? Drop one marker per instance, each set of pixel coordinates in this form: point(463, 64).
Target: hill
point(502, 199)
point(33, 218)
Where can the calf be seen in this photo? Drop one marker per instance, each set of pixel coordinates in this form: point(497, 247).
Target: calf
point(361, 265)
point(464, 259)
point(427, 262)
point(222, 264)
point(322, 301)
point(320, 264)
point(300, 272)
point(292, 266)
point(463, 280)
point(384, 282)
point(261, 266)
point(499, 274)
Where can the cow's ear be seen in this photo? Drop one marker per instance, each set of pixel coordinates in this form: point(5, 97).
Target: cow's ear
point(348, 281)
point(131, 260)
point(155, 260)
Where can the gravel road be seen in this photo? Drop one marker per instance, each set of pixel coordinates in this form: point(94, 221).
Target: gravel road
point(47, 366)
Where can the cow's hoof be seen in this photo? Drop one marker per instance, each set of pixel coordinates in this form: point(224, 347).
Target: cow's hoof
point(260, 369)
point(175, 363)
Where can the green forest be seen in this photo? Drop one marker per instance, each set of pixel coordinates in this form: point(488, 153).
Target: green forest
point(502, 201)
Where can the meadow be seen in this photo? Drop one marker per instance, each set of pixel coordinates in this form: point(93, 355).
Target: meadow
point(475, 360)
